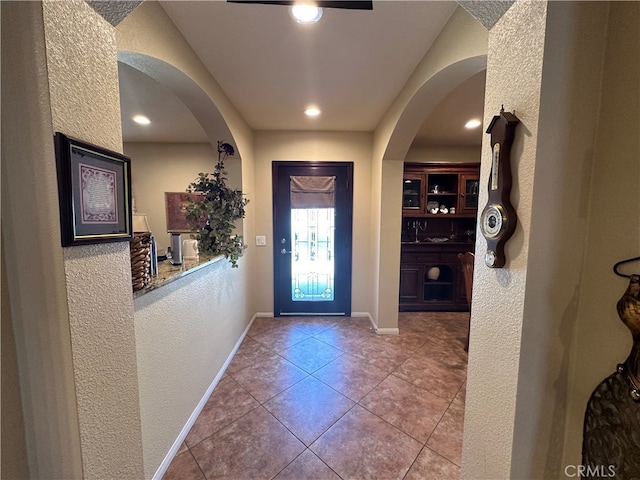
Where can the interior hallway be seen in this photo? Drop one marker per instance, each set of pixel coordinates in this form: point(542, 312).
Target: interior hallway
point(327, 398)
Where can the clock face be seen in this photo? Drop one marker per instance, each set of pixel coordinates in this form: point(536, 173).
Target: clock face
point(492, 221)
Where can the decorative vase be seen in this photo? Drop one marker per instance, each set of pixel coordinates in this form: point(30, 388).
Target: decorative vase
point(433, 273)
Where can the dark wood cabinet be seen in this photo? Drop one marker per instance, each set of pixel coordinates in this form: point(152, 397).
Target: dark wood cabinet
point(439, 209)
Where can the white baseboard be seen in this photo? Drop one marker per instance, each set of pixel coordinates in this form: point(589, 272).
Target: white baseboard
point(366, 315)
point(263, 314)
point(379, 331)
point(162, 469)
point(388, 331)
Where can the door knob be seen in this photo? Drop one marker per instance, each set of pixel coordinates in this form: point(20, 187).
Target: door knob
point(284, 251)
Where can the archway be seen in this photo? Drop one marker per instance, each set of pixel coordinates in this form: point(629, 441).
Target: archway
point(186, 90)
point(424, 101)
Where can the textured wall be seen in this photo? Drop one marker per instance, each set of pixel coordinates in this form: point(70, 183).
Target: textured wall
point(487, 12)
point(514, 72)
point(389, 233)
point(601, 339)
point(15, 461)
point(568, 120)
point(31, 237)
point(157, 168)
point(354, 147)
point(544, 63)
point(83, 83)
point(114, 11)
point(185, 332)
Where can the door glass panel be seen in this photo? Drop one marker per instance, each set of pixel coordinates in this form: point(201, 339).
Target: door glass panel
point(411, 193)
point(471, 190)
point(312, 268)
point(312, 238)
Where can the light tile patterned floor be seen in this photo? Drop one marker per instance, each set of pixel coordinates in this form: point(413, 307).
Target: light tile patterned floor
point(317, 398)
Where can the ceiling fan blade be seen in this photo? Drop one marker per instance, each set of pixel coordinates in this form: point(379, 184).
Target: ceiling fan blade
point(349, 4)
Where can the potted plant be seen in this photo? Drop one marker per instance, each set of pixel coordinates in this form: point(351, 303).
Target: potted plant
point(214, 211)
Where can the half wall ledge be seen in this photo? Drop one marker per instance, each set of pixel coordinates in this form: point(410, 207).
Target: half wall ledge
point(167, 272)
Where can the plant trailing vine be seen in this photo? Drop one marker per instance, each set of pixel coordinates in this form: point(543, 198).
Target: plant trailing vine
point(213, 212)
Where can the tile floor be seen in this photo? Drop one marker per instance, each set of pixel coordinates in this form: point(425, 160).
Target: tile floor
point(311, 398)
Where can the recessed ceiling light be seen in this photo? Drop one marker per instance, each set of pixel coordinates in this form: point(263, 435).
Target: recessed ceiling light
point(141, 119)
point(472, 124)
point(305, 12)
point(312, 112)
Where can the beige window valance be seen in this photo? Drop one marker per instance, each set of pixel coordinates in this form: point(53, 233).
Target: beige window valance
point(312, 192)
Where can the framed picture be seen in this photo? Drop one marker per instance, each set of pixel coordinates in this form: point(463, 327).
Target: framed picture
point(94, 190)
point(176, 206)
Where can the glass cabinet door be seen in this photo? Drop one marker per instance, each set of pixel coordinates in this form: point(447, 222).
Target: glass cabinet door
point(469, 189)
point(412, 192)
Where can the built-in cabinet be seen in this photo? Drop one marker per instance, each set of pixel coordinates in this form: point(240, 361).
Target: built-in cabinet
point(439, 209)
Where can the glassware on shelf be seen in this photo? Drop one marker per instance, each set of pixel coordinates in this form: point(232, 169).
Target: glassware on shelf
point(419, 226)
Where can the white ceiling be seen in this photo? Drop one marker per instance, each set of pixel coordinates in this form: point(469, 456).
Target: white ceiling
point(351, 64)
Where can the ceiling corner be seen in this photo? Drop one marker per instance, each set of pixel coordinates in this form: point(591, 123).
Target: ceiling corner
point(487, 12)
point(114, 11)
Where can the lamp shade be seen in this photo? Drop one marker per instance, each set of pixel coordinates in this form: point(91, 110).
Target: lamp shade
point(140, 223)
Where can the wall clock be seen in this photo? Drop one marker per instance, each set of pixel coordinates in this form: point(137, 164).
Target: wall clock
point(498, 219)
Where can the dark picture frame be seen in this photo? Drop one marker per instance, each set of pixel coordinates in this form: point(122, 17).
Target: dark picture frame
point(94, 192)
point(176, 208)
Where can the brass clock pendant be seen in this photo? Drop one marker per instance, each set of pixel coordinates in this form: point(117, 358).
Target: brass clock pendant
point(498, 219)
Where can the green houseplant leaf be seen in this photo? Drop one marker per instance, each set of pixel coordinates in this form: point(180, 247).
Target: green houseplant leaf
point(213, 210)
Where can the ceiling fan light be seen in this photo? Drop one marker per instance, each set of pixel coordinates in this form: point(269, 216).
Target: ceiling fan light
point(305, 12)
point(472, 124)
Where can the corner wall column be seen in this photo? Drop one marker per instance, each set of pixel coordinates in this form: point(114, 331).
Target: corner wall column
point(72, 308)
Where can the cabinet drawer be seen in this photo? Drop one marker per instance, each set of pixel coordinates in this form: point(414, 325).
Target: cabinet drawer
point(449, 257)
point(419, 257)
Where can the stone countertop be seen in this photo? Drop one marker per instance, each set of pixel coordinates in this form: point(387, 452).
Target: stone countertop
point(167, 272)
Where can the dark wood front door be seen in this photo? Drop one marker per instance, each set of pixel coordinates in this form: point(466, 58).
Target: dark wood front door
point(312, 222)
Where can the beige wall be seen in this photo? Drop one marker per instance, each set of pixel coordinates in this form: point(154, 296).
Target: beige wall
point(157, 168)
point(327, 146)
point(601, 340)
point(186, 330)
point(544, 62)
point(15, 461)
point(390, 226)
point(100, 311)
point(79, 375)
point(566, 131)
point(514, 71)
point(150, 32)
point(444, 154)
point(75, 345)
point(458, 53)
point(29, 187)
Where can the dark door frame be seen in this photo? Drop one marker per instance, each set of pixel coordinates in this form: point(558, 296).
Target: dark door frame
point(343, 223)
